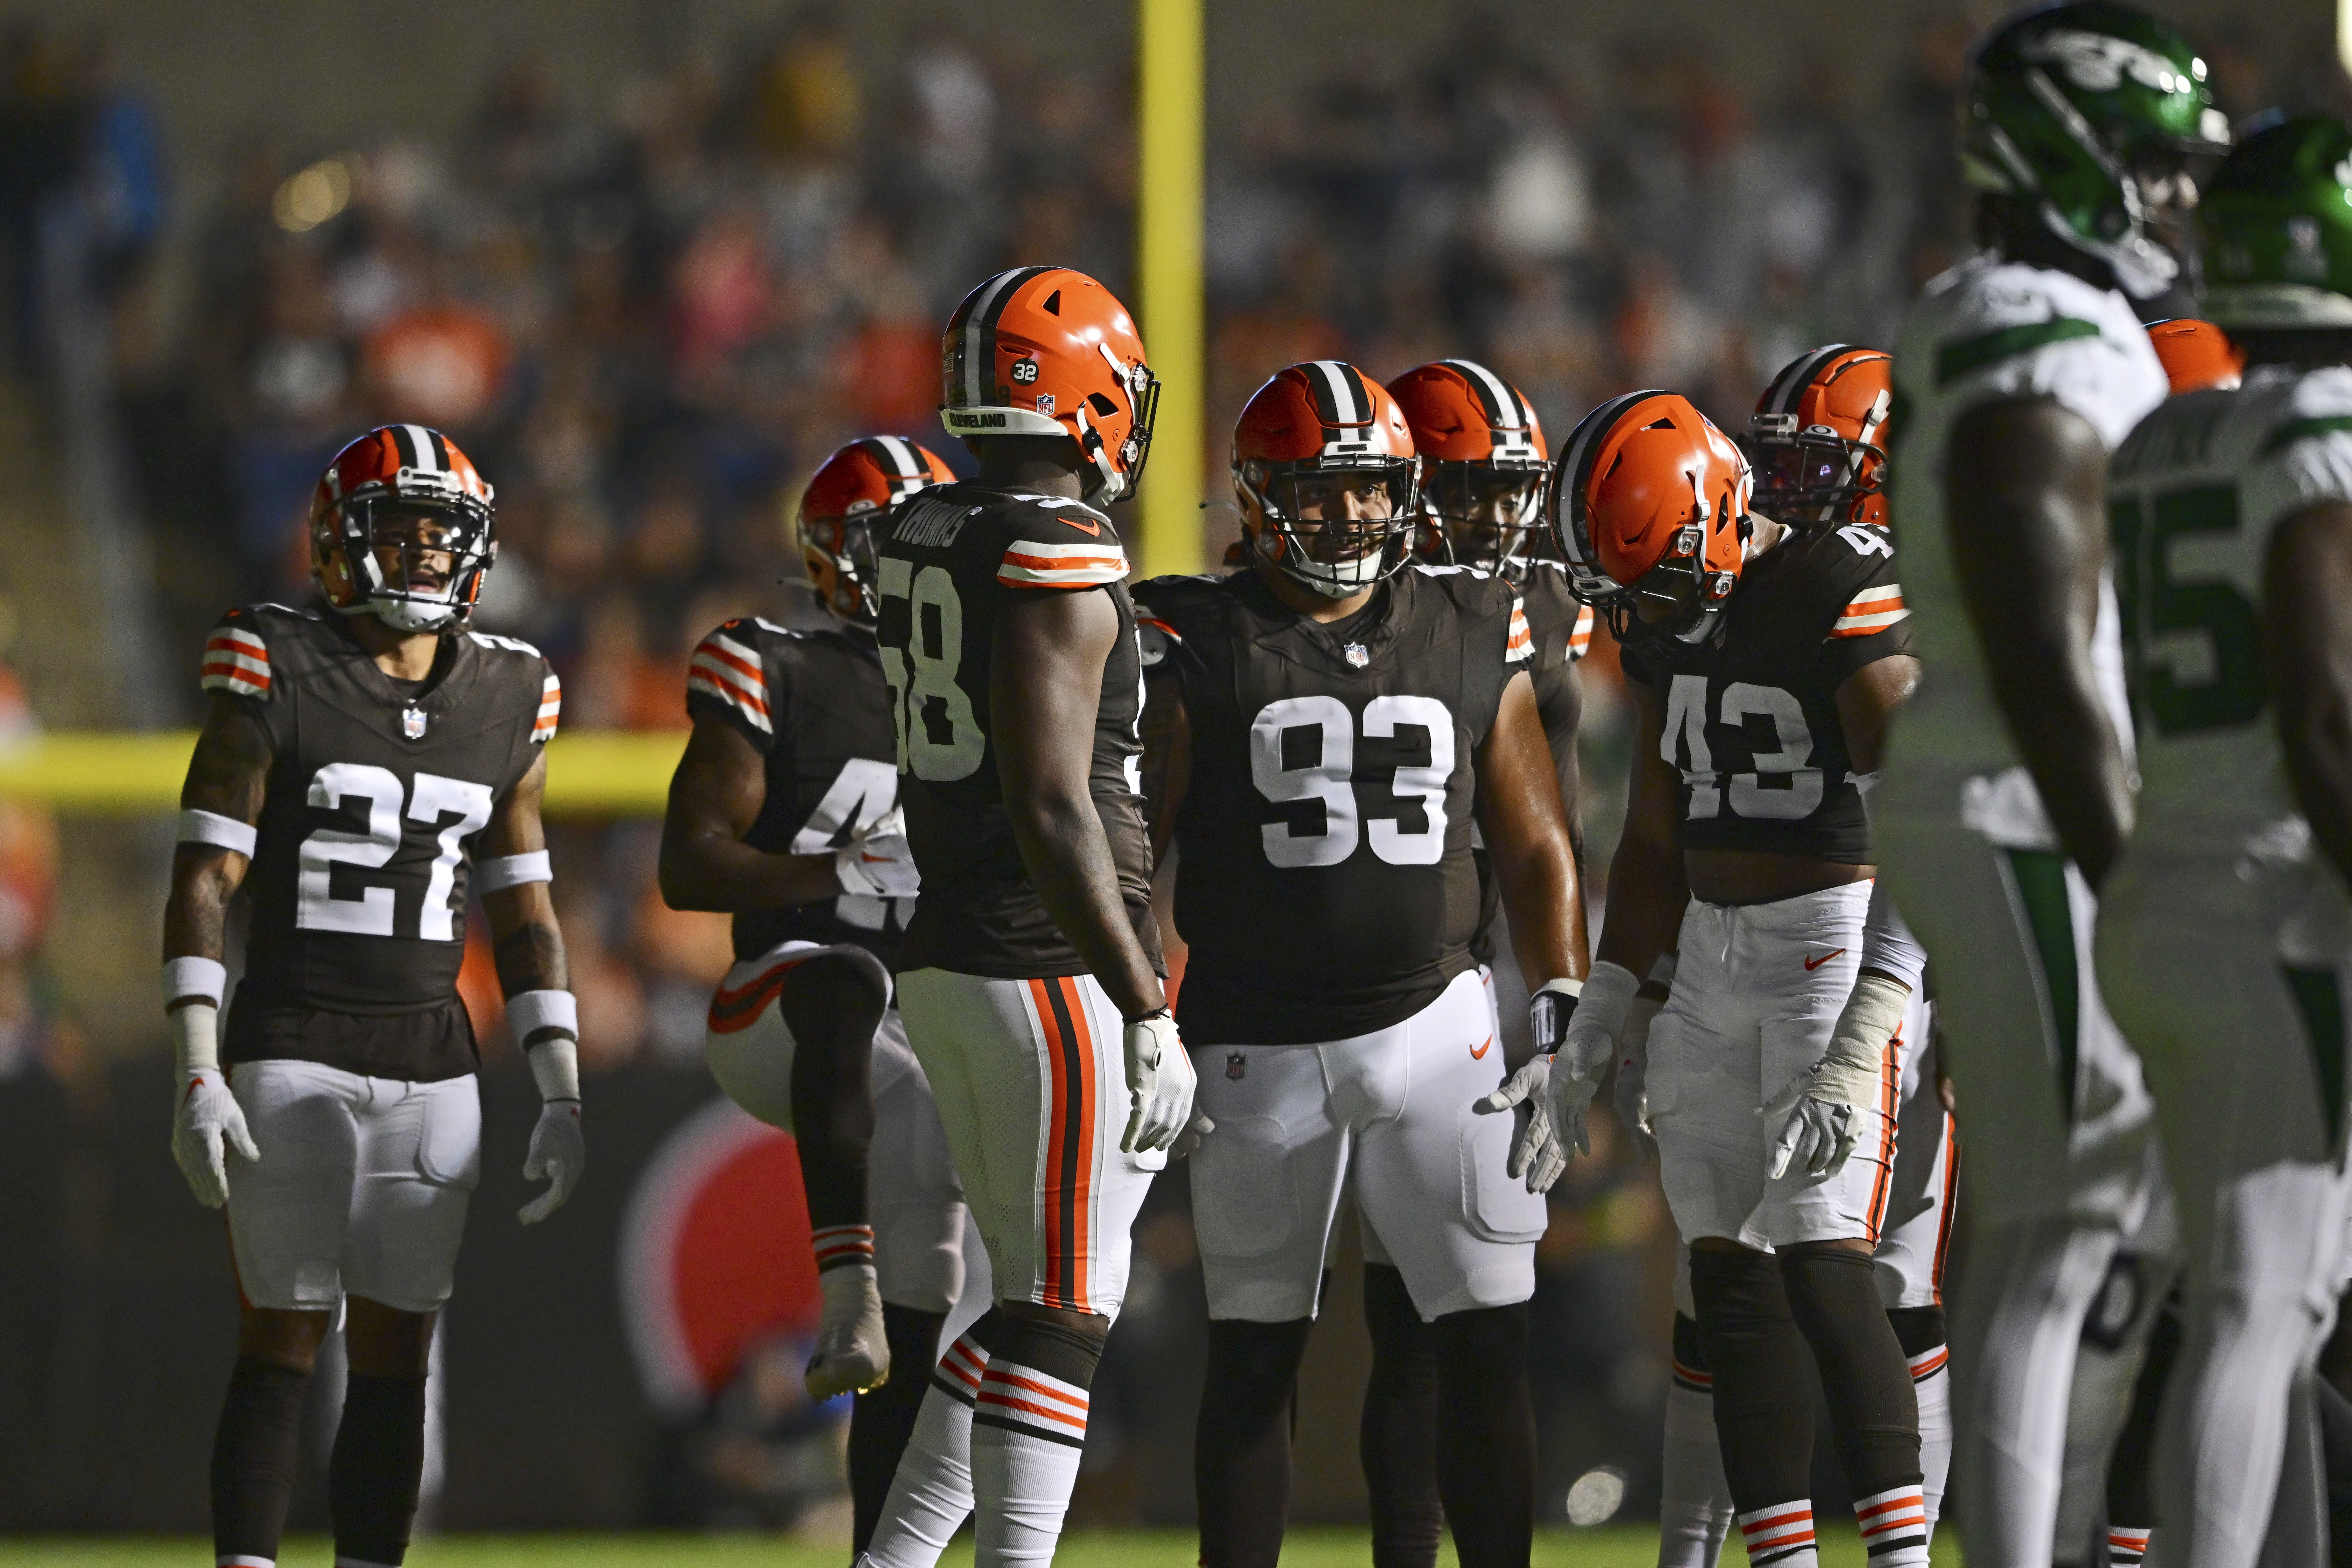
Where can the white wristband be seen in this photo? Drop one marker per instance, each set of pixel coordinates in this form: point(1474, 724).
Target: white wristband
point(512, 871)
point(530, 1013)
point(195, 1034)
point(212, 827)
point(555, 1067)
point(198, 980)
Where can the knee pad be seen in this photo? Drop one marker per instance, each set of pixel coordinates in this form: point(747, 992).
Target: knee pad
point(1055, 1349)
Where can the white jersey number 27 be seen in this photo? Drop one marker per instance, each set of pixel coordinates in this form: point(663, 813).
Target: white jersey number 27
point(370, 913)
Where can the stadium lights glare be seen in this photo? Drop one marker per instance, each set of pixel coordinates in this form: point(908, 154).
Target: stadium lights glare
point(312, 195)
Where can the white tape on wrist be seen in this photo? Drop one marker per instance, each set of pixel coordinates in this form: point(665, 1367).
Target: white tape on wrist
point(195, 1036)
point(204, 979)
point(1851, 1070)
point(534, 1014)
point(512, 871)
point(212, 827)
point(555, 1068)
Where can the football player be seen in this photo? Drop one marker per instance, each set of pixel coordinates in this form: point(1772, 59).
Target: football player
point(2225, 936)
point(1764, 663)
point(1482, 462)
point(1031, 971)
point(784, 812)
point(2008, 796)
point(359, 773)
point(1326, 729)
point(1817, 440)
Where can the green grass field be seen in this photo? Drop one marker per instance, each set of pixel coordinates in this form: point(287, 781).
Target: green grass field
point(1630, 1547)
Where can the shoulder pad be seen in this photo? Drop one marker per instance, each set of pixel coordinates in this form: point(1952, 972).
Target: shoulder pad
point(236, 654)
point(727, 668)
point(1055, 543)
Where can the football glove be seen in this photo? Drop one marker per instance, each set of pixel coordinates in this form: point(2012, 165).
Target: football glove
point(853, 1351)
point(1825, 1102)
point(208, 1121)
point(877, 861)
point(1633, 1094)
point(1586, 1049)
point(209, 1118)
point(1159, 1084)
point(559, 1149)
point(1536, 1154)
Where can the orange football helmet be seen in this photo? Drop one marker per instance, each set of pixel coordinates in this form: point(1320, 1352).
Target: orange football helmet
point(1649, 508)
point(1043, 351)
point(1299, 434)
point(1483, 461)
point(2196, 355)
point(1820, 438)
point(851, 491)
point(393, 497)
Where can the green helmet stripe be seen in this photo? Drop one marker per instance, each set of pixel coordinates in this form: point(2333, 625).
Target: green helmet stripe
point(1959, 359)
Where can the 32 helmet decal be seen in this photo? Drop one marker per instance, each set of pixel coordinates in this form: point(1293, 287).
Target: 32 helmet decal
point(1483, 462)
point(376, 498)
point(1649, 507)
point(1043, 351)
point(1819, 438)
point(1299, 434)
point(851, 492)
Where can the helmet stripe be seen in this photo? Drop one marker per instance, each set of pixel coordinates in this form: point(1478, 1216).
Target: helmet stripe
point(980, 330)
point(1575, 466)
point(420, 441)
point(441, 452)
point(1494, 395)
point(404, 443)
point(1790, 390)
point(894, 450)
point(1338, 391)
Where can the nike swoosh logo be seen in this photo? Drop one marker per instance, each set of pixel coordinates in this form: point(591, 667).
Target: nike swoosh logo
point(1094, 528)
point(1478, 1052)
point(1811, 964)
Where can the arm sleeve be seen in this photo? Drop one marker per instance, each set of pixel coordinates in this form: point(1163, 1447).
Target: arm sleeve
point(727, 680)
point(1060, 545)
point(1887, 944)
point(1868, 622)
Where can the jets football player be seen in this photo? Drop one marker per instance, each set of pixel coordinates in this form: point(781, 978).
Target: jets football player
point(2225, 936)
point(1326, 729)
point(360, 771)
point(784, 812)
point(1816, 438)
point(2007, 798)
point(1030, 973)
point(1764, 663)
point(1481, 462)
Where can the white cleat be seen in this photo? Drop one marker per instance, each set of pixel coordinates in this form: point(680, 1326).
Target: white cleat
point(853, 1351)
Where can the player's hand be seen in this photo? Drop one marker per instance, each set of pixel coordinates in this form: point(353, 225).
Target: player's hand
point(1633, 1094)
point(1159, 1084)
point(877, 861)
point(1536, 1154)
point(1188, 1142)
point(1818, 1135)
point(558, 1154)
point(1825, 1102)
point(208, 1118)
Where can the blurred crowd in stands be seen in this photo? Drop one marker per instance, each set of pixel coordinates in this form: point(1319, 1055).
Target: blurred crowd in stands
point(649, 319)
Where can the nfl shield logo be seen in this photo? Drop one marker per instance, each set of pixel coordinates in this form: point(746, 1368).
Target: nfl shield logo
point(1358, 656)
point(1046, 403)
point(412, 723)
point(1237, 1065)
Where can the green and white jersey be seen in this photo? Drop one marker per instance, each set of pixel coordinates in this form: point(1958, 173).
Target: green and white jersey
point(2193, 498)
point(1988, 331)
